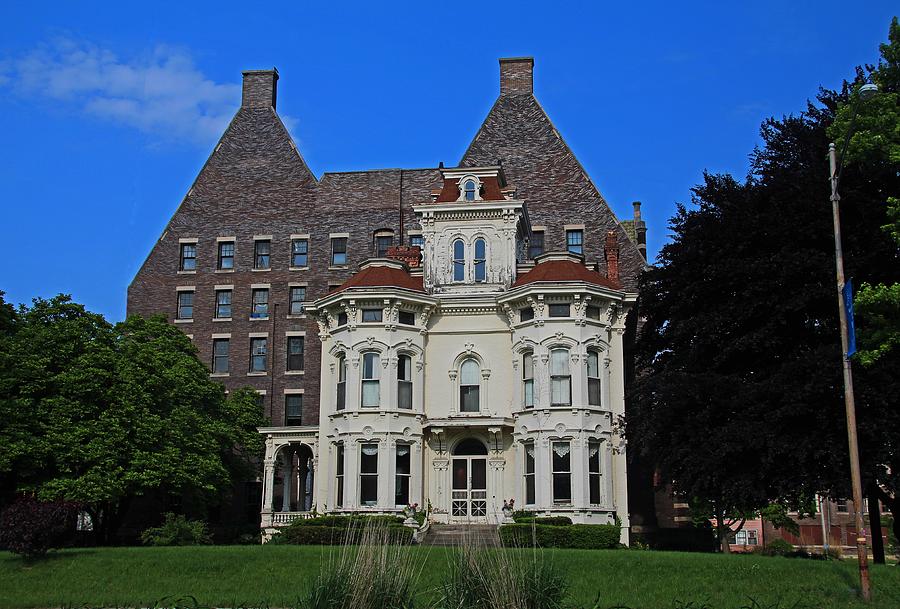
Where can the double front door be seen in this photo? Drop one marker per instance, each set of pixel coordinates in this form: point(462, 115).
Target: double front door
point(468, 500)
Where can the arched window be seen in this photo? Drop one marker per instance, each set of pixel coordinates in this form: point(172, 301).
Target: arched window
point(593, 374)
point(469, 190)
point(459, 260)
point(342, 383)
point(469, 385)
point(560, 378)
point(480, 264)
point(528, 380)
point(404, 382)
point(371, 380)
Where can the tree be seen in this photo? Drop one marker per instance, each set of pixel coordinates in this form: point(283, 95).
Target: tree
point(103, 414)
point(740, 396)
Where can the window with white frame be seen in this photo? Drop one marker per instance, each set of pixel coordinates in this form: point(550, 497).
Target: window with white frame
point(593, 378)
point(258, 354)
point(368, 474)
point(459, 260)
point(469, 386)
point(560, 378)
point(261, 251)
point(480, 261)
point(469, 190)
point(528, 380)
point(299, 252)
point(383, 241)
point(298, 300)
point(260, 303)
point(561, 462)
point(404, 382)
point(221, 348)
point(338, 251)
point(339, 475)
point(295, 353)
point(188, 260)
point(341, 390)
point(371, 380)
point(594, 456)
point(529, 473)
point(185, 305)
point(223, 304)
point(226, 256)
point(403, 475)
point(293, 409)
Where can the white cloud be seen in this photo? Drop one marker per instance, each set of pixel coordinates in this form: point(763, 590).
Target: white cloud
point(161, 93)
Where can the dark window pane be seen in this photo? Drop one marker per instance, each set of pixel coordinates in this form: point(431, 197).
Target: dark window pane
point(368, 490)
point(536, 244)
point(469, 398)
point(299, 252)
point(526, 314)
point(223, 304)
point(226, 255)
point(382, 243)
point(562, 488)
point(407, 318)
point(402, 491)
point(185, 305)
point(260, 303)
point(342, 319)
point(369, 459)
point(529, 489)
point(469, 189)
point(295, 353)
point(188, 256)
point(339, 251)
point(258, 354)
point(220, 355)
point(460, 474)
point(593, 312)
point(575, 241)
point(298, 298)
point(480, 264)
point(459, 260)
point(559, 310)
point(261, 254)
point(479, 473)
point(293, 409)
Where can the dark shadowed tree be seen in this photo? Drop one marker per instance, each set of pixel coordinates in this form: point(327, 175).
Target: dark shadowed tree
point(741, 396)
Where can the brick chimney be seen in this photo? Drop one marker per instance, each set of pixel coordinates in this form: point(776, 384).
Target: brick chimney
point(640, 229)
point(611, 252)
point(260, 88)
point(516, 76)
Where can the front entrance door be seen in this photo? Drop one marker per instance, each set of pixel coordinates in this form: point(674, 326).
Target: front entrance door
point(469, 490)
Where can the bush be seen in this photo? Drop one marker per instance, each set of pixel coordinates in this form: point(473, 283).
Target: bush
point(177, 531)
point(688, 539)
point(579, 536)
point(777, 547)
point(30, 527)
point(343, 522)
point(322, 535)
point(523, 516)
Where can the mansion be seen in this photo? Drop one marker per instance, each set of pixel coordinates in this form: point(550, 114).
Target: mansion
point(455, 338)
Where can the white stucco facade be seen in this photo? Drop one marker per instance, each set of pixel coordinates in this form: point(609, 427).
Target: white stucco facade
point(477, 388)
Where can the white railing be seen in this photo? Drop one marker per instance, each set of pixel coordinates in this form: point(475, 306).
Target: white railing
point(280, 519)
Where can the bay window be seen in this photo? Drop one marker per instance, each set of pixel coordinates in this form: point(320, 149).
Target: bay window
point(404, 382)
point(594, 454)
point(401, 482)
point(561, 458)
point(371, 380)
point(368, 474)
point(560, 378)
point(593, 374)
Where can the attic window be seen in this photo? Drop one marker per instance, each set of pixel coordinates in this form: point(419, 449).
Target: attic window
point(469, 190)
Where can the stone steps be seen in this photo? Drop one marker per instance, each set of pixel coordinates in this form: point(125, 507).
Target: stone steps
point(455, 535)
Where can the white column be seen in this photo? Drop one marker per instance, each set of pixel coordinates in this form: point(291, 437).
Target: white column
point(268, 479)
point(543, 494)
point(351, 474)
point(416, 481)
point(387, 470)
point(578, 465)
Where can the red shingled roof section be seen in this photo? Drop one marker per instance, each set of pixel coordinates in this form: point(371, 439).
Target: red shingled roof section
point(490, 190)
point(382, 277)
point(564, 270)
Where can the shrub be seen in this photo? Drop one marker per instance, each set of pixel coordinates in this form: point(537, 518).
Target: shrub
point(554, 521)
point(523, 516)
point(177, 530)
point(688, 539)
point(777, 547)
point(579, 536)
point(320, 535)
point(30, 527)
point(343, 522)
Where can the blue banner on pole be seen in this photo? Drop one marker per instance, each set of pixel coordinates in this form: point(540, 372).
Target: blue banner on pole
point(848, 307)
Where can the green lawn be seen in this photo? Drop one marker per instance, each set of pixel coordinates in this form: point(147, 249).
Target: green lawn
point(274, 576)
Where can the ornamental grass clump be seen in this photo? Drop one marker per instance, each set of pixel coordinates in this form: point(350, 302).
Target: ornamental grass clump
point(501, 578)
point(369, 571)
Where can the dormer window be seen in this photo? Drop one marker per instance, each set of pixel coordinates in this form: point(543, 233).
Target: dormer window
point(469, 190)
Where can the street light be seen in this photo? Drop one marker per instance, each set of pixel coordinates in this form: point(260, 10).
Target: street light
point(864, 92)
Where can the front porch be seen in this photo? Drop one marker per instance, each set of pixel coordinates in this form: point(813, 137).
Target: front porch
point(289, 476)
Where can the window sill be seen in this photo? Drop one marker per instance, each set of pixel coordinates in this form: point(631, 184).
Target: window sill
point(299, 316)
point(223, 271)
point(259, 318)
point(218, 375)
point(338, 267)
point(298, 268)
point(261, 270)
point(183, 272)
point(221, 319)
point(294, 372)
point(257, 374)
point(184, 321)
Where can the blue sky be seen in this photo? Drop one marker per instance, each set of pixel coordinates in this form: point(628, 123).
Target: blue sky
point(108, 110)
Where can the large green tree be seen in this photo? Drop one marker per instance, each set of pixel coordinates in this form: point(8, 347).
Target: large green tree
point(740, 396)
point(101, 414)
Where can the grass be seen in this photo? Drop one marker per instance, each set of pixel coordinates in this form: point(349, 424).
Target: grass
point(276, 576)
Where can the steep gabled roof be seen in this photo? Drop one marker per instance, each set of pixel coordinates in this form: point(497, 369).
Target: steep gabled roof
point(518, 132)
